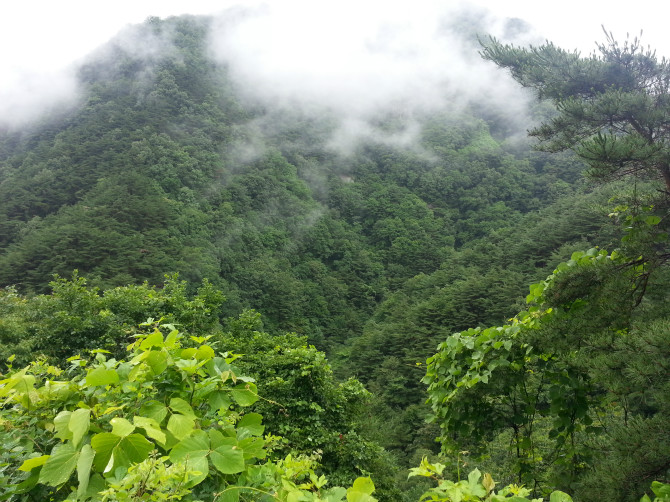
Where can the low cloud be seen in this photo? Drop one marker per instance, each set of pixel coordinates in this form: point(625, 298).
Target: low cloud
point(28, 94)
point(354, 62)
point(358, 62)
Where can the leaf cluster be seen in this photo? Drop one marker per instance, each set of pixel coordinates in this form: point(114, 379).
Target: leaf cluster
point(167, 423)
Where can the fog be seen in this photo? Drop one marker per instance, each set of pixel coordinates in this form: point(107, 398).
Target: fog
point(352, 57)
point(323, 52)
point(356, 63)
point(30, 94)
point(359, 60)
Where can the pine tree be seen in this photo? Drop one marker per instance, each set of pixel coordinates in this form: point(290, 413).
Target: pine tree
point(613, 106)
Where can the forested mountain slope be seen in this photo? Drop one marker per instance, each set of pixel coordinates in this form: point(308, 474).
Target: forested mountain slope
point(374, 252)
point(147, 175)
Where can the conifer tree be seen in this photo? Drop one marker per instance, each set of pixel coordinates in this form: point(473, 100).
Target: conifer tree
point(613, 106)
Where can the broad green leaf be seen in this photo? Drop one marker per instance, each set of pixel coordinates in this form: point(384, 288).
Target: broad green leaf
point(253, 447)
point(113, 451)
point(473, 477)
point(61, 424)
point(79, 423)
point(155, 339)
point(157, 361)
point(138, 359)
point(219, 400)
point(335, 494)
point(361, 491)
point(172, 339)
point(180, 406)
point(652, 220)
point(102, 376)
point(198, 464)
point(228, 459)
point(84, 469)
point(139, 370)
point(155, 410)
point(31, 463)
point(559, 496)
point(204, 352)
point(121, 427)
point(136, 447)
point(151, 426)
point(250, 425)
point(354, 496)
point(60, 465)
point(245, 394)
point(196, 445)
point(19, 382)
point(364, 485)
point(189, 366)
point(294, 495)
point(180, 425)
point(661, 490)
point(216, 439)
point(203, 391)
point(104, 444)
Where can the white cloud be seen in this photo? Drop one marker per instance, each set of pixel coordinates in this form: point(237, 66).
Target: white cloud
point(355, 62)
point(325, 51)
point(30, 93)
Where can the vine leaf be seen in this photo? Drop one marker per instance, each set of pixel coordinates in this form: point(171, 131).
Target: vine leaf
point(114, 451)
point(228, 459)
point(31, 463)
point(250, 425)
point(559, 496)
point(101, 376)
point(245, 394)
point(180, 426)
point(152, 428)
point(361, 491)
point(84, 469)
point(78, 425)
point(60, 465)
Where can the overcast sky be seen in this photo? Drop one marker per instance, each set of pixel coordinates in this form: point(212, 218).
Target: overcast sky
point(40, 38)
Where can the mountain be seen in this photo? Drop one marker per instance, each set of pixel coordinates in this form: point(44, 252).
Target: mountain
point(162, 167)
point(374, 249)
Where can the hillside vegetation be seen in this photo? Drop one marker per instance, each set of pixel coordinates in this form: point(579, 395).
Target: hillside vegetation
point(205, 299)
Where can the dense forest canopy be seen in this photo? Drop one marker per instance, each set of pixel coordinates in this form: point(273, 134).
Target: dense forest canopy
point(208, 295)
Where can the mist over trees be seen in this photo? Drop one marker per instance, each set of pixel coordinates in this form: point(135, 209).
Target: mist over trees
point(231, 280)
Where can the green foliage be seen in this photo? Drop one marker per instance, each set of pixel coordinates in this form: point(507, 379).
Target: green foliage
point(149, 175)
point(605, 310)
point(661, 490)
point(476, 488)
point(167, 423)
point(120, 176)
point(552, 378)
point(76, 317)
point(308, 407)
point(373, 256)
point(612, 107)
point(478, 285)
